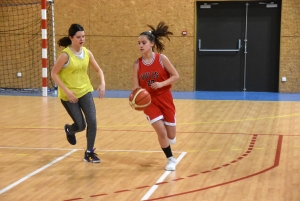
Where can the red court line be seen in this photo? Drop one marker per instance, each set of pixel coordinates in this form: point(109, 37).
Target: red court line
point(121, 191)
point(196, 132)
point(142, 187)
point(277, 158)
point(98, 195)
point(254, 136)
point(205, 171)
point(177, 179)
point(164, 182)
point(193, 175)
point(276, 163)
point(216, 168)
point(150, 131)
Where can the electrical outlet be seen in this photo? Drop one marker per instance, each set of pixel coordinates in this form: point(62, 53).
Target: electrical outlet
point(283, 79)
point(19, 74)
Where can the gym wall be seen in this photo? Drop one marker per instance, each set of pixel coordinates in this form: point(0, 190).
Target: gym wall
point(112, 28)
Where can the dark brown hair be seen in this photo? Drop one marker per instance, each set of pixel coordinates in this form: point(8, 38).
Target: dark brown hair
point(66, 41)
point(155, 35)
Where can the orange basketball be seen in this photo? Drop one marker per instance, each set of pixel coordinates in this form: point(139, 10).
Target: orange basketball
point(139, 99)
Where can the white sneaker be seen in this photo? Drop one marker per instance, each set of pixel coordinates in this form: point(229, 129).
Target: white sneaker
point(173, 141)
point(171, 166)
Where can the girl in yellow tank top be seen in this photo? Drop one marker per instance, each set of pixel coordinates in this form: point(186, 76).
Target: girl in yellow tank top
point(74, 88)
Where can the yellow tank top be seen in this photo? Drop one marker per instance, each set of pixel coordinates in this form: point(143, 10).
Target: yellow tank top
point(74, 76)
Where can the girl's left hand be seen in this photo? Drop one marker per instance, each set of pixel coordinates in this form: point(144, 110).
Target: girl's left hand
point(156, 85)
point(101, 88)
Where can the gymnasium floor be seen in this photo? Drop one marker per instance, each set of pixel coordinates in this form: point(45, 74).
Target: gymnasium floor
point(231, 146)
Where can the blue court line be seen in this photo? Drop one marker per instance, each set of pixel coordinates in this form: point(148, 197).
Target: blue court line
point(196, 95)
point(214, 95)
point(251, 96)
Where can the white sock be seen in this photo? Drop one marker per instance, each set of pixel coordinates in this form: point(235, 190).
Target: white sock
point(172, 141)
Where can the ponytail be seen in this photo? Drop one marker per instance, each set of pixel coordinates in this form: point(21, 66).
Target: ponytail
point(156, 35)
point(64, 42)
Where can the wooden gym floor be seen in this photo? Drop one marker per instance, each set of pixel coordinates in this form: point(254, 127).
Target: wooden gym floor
point(228, 150)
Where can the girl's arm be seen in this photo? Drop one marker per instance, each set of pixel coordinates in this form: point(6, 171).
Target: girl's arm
point(174, 76)
point(99, 71)
point(135, 75)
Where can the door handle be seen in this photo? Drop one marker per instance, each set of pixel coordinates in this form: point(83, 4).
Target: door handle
point(219, 50)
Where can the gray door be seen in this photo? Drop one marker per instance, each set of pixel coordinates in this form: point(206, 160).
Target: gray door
point(237, 46)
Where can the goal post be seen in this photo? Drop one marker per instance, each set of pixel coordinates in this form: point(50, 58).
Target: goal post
point(44, 47)
point(23, 51)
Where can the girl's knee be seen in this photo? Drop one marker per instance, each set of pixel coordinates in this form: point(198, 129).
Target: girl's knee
point(81, 127)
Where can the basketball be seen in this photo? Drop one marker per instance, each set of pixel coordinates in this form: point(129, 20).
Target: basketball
point(139, 99)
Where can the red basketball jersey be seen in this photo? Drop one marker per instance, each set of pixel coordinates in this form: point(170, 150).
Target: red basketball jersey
point(149, 73)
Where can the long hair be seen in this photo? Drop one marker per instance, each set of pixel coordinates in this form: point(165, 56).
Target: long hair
point(156, 35)
point(66, 41)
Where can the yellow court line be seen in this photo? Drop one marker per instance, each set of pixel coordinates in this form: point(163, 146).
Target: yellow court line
point(22, 154)
point(190, 123)
point(258, 148)
point(214, 150)
point(211, 122)
point(236, 149)
point(297, 146)
point(123, 153)
point(239, 120)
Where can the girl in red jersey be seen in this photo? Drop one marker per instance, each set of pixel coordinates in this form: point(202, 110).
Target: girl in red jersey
point(155, 73)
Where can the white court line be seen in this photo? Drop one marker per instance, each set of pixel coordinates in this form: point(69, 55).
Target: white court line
point(37, 148)
point(154, 187)
point(35, 172)
point(135, 151)
point(98, 150)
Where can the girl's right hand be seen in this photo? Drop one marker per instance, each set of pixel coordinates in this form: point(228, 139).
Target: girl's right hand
point(71, 97)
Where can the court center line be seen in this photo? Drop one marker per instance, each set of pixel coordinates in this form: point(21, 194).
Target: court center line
point(154, 187)
point(35, 172)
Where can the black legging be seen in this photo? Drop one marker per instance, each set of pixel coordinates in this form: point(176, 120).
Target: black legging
point(86, 105)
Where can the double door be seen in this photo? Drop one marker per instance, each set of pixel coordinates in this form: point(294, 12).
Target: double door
point(238, 46)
